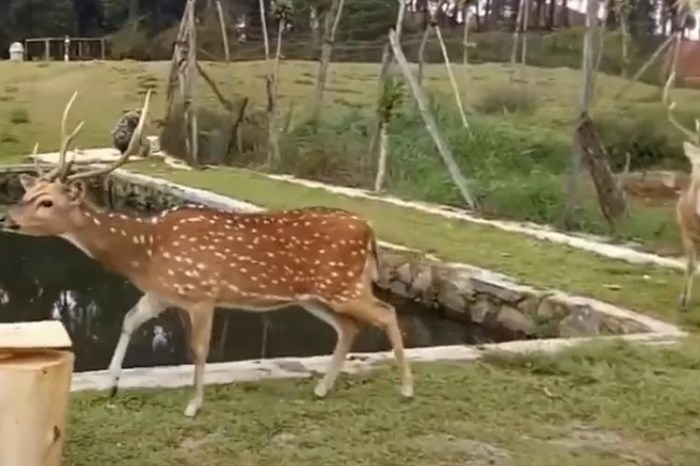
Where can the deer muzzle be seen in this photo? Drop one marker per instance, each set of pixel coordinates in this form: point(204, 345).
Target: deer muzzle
point(7, 221)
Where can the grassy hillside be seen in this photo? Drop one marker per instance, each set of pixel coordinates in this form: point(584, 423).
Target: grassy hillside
point(40, 90)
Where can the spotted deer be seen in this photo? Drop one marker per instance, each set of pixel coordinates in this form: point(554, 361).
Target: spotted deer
point(199, 258)
point(688, 203)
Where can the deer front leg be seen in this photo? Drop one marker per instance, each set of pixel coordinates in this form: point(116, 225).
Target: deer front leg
point(689, 251)
point(145, 309)
point(200, 335)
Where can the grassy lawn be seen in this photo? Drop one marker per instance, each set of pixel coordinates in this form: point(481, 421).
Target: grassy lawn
point(33, 94)
point(600, 405)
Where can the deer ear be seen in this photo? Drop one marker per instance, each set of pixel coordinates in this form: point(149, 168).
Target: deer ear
point(28, 181)
point(77, 190)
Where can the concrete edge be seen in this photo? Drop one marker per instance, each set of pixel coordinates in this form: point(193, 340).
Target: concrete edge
point(284, 368)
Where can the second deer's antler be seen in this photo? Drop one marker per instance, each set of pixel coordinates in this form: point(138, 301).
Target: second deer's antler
point(670, 105)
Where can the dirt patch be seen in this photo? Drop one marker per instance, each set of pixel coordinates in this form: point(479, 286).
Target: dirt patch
point(582, 438)
point(469, 451)
point(193, 449)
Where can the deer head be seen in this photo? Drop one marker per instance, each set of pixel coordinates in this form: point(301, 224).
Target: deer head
point(51, 202)
point(691, 147)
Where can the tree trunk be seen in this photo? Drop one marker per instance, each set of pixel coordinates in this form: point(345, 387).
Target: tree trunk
point(453, 81)
point(538, 14)
point(421, 52)
point(465, 37)
point(224, 34)
point(34, 393)
point(191, 86)
point(564, 16)
point(35, 377)
point(526, 22)
point(381, 163)
point(516, 32)
point(587, 145)
point(313, 24)
point(552, 14)
point(326, 49)
point(610, 196)
point(624, 28)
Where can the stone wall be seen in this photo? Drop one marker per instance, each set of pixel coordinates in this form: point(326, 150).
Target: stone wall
point(480, 296)
point(464, 292)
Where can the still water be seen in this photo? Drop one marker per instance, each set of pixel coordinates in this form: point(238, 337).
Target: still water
point(48, 278)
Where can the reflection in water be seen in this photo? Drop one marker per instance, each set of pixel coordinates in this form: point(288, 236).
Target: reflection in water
point(44, 278)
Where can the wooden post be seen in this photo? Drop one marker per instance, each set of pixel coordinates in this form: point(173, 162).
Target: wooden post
point(36, 367)
point(191, 74)
point(328, 38)
point(224, 35)
point(47, 50)
point(384, 72)
point(453, 81)
point(102, 49)
point(430, 123)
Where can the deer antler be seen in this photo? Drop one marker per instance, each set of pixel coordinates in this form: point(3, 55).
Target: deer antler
point(37, 167)
point(670, 105)
point(66, 139)
point(131, 150)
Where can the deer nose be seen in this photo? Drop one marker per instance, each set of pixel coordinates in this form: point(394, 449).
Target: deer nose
point(6, 223)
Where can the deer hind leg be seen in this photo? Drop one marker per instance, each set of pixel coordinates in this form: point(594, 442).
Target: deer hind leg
point(347, 329)
point(200, 335)
point(383, 315)
point(144, 310)
point(689, 251)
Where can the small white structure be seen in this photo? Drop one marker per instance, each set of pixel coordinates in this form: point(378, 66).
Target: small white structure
point(16, 51)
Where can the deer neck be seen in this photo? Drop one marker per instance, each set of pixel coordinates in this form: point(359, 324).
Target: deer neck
point(120, 243)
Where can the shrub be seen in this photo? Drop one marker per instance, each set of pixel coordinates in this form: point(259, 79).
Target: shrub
point(214, 127)
point(19, 116)
point(646, 134)
point(509, 99)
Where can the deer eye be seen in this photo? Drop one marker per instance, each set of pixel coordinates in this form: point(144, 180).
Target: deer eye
point(46, 203)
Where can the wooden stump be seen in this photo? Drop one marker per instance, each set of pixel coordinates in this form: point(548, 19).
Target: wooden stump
point(34, 392)
point(610, 198)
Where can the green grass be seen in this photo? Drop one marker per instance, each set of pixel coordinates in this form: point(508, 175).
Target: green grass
point(106, 88)
point(601, 405)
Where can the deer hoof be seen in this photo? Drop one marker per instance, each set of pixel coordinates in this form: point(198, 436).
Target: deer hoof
point(407, 392)
point(683, 303)
point(321, 391)
point(191, 410)
point(113, 390)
